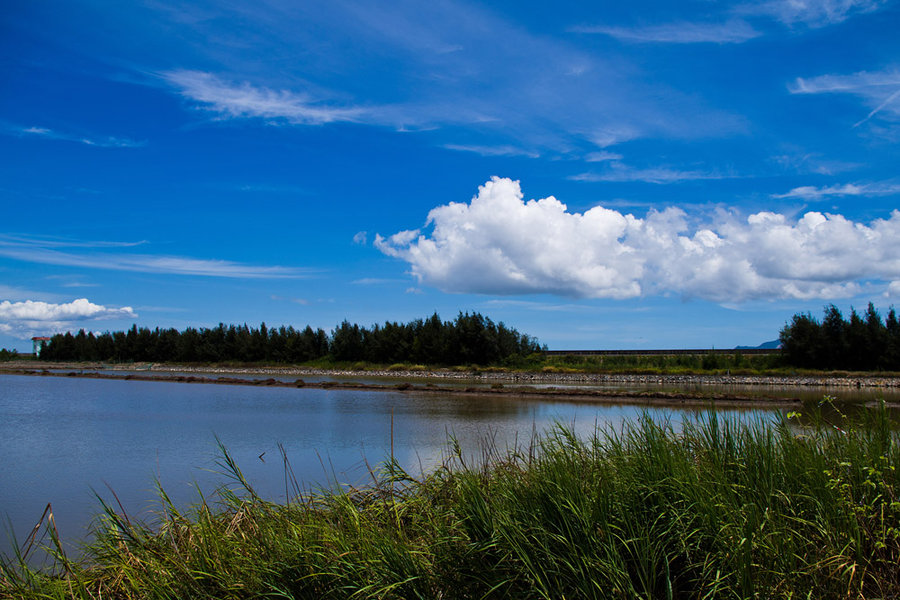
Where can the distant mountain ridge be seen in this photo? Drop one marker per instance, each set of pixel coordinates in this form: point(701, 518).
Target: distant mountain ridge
point(773, 345)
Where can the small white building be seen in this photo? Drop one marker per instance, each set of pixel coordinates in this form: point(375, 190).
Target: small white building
point(37, 344)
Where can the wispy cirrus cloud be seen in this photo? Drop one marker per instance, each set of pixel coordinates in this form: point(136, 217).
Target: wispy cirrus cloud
point(14, 294)
point(734, 31)
point(80, 284)
point(554, 307)
point(41, 251)
point(484, 83)
point(230, 99)
point(811, 13)
point(88, 140)
point(734, 26)
point(813, 193)
point(62, 242)
point(879, 90)
point(374, 281)
point(274, 189)
point(28, 318)
point(505, 150)
point(603, 156)
point(814, 163)
point(244, 100)
point(855, 83)
point(619, 172)
point(300, 301)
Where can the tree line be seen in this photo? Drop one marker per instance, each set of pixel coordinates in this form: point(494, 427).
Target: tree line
point(861, 343)
point(469, 339)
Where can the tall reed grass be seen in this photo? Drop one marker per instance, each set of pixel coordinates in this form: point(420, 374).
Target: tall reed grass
point(707, 508)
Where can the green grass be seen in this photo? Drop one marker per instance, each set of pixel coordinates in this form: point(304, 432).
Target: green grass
point(674, 364)
point(671, 364)
point(716, 509)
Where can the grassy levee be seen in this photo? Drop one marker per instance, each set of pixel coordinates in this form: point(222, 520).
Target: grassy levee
point(713, 509)
point(674, 364)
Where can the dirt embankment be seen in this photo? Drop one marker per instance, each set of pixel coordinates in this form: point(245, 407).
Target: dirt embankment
point(489, 376)
point(518, 384)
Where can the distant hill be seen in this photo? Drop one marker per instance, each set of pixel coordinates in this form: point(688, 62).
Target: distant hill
point(773, 345)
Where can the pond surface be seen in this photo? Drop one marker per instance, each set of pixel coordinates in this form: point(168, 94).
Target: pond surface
point(806, 392)
point(63, 439)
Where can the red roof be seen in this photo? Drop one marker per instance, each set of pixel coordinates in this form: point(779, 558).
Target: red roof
point(41, 339)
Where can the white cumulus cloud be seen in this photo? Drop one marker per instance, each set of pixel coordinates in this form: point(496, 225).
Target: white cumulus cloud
point(500, 244)
point(28, 318)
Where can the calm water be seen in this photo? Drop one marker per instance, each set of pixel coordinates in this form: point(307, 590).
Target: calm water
point(63, 439)
point(806, 393)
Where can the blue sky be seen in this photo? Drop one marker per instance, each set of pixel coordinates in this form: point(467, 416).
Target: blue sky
point(624, 175)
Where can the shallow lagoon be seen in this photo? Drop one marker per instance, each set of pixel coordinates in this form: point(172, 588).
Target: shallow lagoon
point(62, 438)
